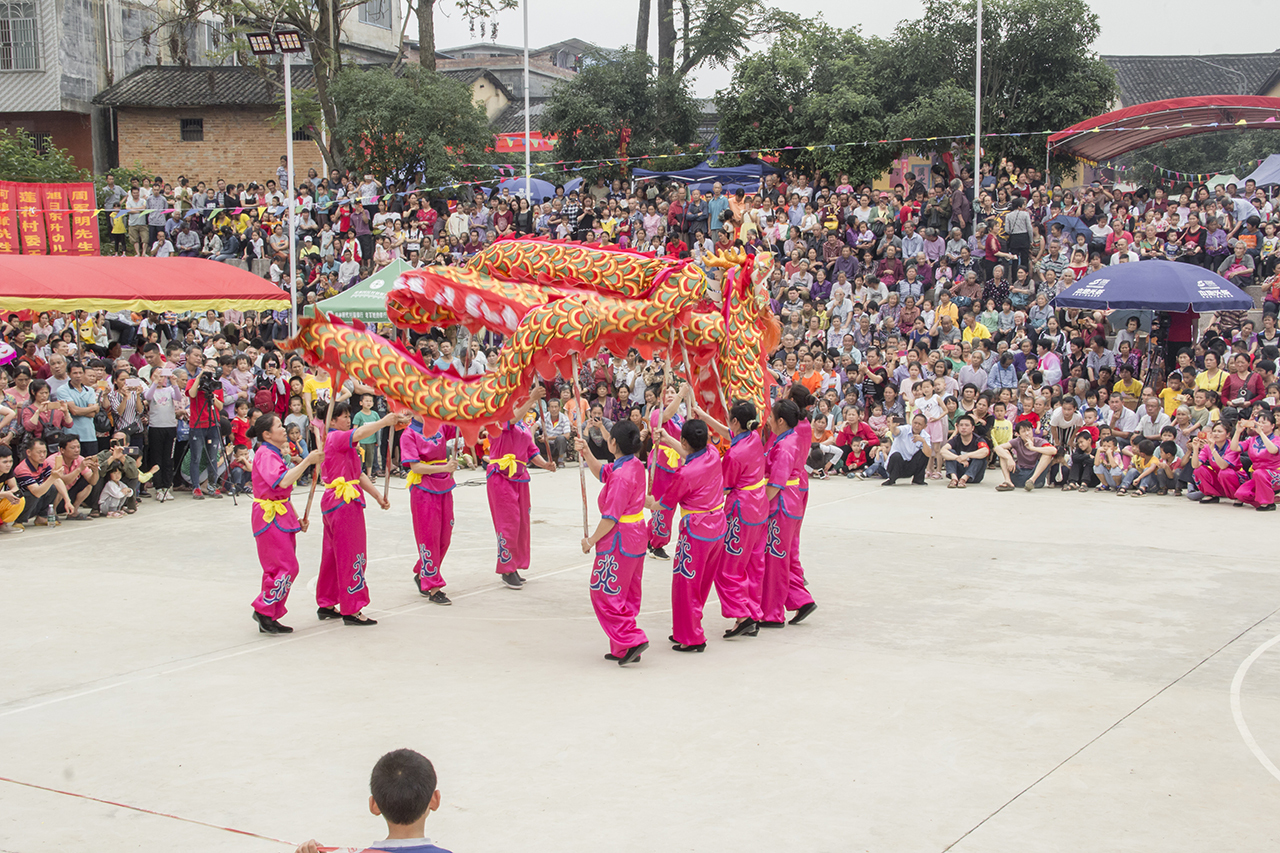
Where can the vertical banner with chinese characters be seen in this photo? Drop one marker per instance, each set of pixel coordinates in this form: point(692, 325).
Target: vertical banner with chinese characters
point(57, 222)
point(84, 226)
point(8, 218)
point(31, 219)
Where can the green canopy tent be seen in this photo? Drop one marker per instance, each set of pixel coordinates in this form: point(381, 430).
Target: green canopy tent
point(365, 300)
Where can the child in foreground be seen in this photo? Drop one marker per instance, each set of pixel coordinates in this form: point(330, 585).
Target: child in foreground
point(402, 790)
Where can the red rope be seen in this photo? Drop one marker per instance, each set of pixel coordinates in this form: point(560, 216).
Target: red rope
point(147, 811)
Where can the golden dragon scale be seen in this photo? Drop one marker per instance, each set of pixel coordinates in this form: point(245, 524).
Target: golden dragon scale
point(552, 301)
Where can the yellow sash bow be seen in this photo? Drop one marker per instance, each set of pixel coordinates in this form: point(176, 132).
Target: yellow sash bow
point(631, 519)
point(754, 486)
point(270, 508)
point(345, 490)
point(506, 464)
point(673, 458)
point(684, 512)
point(412, 479)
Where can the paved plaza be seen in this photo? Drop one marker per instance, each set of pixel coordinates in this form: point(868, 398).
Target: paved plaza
point(985, 672)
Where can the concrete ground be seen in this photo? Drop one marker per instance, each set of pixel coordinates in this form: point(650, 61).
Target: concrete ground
point(985, 672)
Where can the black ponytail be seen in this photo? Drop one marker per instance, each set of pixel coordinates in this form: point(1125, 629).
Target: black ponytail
point(787, 412)
point(626, 435)
point(262, 426)
point(745, 413)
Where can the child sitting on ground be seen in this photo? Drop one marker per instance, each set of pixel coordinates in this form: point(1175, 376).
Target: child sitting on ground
point(241, 471)
point(403, 792)
point(114, 493)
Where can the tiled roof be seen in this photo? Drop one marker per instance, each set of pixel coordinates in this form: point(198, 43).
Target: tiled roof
point(1155, 78)
point(200, 86)
point(511, 119)
point(467, 76)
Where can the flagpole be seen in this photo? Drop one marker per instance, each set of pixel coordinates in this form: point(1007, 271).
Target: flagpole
point(289, 198)
point(528, 169)
point(977, 118)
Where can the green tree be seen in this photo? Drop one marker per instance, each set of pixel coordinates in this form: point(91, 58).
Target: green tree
point(814, 84)
point(20, 160)
point(1223, 151)
point(421, 121)
point(617, 96)
point(427, 26)
point(817, 84)
point(1038, 71)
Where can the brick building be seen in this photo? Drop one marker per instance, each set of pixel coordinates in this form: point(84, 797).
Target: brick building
point(204, 122)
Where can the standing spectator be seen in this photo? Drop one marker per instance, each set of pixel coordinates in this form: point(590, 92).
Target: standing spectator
point(203, 441)
point(83, 405)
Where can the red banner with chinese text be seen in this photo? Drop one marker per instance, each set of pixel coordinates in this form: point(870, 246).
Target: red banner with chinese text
point(84, 226)
point(31, 219)
point(8, 218)
point(57, 225)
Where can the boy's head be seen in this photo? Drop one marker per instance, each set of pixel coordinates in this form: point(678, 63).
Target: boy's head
point(294, 432)
point(998, 410)
point(402, 788)
point(366, 402)
point(1146, 447)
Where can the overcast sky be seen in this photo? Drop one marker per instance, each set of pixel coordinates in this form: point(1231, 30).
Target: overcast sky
point(1179, 26)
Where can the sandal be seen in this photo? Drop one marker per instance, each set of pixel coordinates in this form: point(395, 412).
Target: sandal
point(952, 484)
point(961, 484)
point(1068, 488)
point(1005, 487)
point(1121, 492)
point(1139, 492)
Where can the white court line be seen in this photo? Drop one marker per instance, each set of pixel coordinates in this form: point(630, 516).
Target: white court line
point(1238, 713)
point(268, 644)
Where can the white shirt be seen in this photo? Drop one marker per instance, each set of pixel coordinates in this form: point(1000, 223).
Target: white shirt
point(904, 443)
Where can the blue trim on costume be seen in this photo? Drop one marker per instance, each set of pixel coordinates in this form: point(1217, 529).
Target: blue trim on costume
point(694, 455)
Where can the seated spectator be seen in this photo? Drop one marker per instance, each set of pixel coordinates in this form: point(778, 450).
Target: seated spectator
point(1024, 459)
point(965, 454)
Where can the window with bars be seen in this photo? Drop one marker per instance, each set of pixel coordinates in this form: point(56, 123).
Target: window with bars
point(301, 136)
point(376, 13)
point(191, 129)
point(43, 142)
point(19, 29)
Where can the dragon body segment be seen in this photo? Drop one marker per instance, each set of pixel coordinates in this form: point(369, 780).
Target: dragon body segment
point(553, 301)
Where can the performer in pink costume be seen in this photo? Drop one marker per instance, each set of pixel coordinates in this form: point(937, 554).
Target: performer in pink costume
point(1216, 467)
point(1259, 490)
point(784, 511)
point(619, 540)
point(275, 524)
point(430, 483)
point(698, 489)
point(746, 511)
point(798, 597)
point(511, 451)
point(663, 462)
point(341, 589)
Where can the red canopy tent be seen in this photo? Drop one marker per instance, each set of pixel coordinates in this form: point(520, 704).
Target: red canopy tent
point(1111, 134)
point(48, 283)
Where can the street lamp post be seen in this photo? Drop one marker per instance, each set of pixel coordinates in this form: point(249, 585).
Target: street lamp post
point(286, 43)
point(977, 119)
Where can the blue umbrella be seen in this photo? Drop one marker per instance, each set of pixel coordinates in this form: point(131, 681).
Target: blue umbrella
point(540, 189)
point(572, 184)
point(1071, 226)
point(1155, 286)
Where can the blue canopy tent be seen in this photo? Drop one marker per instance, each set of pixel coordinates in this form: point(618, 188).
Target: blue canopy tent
point(748, 175)
point(540, 190)
point(1267, 173)
point(1155, 286)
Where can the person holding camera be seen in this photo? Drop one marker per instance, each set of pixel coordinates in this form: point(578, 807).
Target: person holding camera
point(204, 441)
point(341, 591)
point(1259, 488)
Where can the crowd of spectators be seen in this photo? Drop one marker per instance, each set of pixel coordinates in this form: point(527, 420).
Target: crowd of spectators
point(928, 339)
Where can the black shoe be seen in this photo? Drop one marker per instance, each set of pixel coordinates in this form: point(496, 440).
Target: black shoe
point(1209, 499)
point(763, 624)
point(745, 628)
point(681, 647)
point(889, 483)
point(1267, 508)
point(354, 620)
point(632, 655)
point(512, 579)
point(265, 625)
point(803, 613)
point(283, 629)
point(614, 657)
point(328, 613)
point(438, 597)
point(660, 553)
